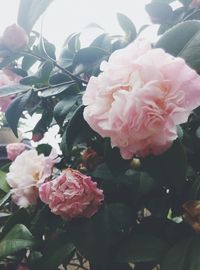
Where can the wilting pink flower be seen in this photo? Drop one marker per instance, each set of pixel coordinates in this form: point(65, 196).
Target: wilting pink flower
point(7, 77)
point(27, 172)
point(14, 38)
point(72, 195)
point(14, 150)
point(195, 3)
point(139, 99)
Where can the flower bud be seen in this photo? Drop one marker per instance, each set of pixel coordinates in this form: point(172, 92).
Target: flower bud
point(14, 38)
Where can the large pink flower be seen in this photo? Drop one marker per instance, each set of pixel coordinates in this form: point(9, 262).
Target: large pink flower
point(140, 97)
point(72, 195)
point(27, 172)
point(7, 77)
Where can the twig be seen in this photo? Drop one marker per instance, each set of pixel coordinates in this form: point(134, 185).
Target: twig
point(42, 59)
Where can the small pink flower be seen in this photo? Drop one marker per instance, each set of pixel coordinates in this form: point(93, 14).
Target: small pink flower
point(139, 98)
point(72, 195)
point(14, 150)
point(27, 172)
point(14, 38)
point(195, 4)
point(7, 77)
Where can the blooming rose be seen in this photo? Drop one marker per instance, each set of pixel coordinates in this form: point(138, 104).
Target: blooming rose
point(71, 195)
point(26, 174)
point(14, 38)
point(7, 77)
point(14, 150)
point(140, 97)
point(195, 3)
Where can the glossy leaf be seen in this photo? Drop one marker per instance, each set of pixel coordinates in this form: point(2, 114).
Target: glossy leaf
point(187, 45)
point(53, 91)
point(64, 106)
point(17, 239)
point(159, 12)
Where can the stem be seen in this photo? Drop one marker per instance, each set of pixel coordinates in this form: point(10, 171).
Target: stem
point(42, 59)
point(79, 266)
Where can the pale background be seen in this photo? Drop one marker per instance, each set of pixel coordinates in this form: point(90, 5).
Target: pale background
point(64, 17)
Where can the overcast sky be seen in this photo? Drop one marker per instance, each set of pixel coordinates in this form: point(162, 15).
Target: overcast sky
point(66, 16)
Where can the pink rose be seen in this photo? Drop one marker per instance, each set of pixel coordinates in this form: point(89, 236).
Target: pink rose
point(195, 4)
point(72, 195)
point(14, 150)
point(7, 77)
point(139, 98)
point(14, 38)
point(27, 172)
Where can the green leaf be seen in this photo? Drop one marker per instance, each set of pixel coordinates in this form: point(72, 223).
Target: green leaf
point(28, 61)
point(15, 110)
point(95, 236)
point(53, 91)
point(13, 89)
point(89, 55)
point(3, 183)
point(29, 12)
point(142, 248)
point(128, 26)
point(17, 239)
point(172, 167)
point(113, 159)
point(4, 199)
point(57, 252)
point(66, 58)
point(64, 106)
point(183, 256)
point(159, 12)
point(77, 129)
point(19, 217)
point(186, 46)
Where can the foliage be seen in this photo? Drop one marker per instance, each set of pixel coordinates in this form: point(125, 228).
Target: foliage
point(137, 222)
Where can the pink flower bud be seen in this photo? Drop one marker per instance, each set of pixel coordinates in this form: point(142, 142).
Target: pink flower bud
point(14, 150)
point(37, 137)
point(72, 195)
point(195, 4)
point(14, 38)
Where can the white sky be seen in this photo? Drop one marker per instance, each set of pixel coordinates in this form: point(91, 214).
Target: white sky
point(64, 17)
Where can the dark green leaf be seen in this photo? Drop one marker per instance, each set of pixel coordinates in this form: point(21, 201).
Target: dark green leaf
point(113, 159)
point(28, 61)
point(17, 239)
point(19, 217)
point(172, 167)
point(142, 248)
point(59, 78)
point(4, 199)
point(64, 106)
point(77, 129)
point(187, 45)
point(57, 252)
point(183, 256)
point(15, 110)
point(128, 26)
point(89, 55)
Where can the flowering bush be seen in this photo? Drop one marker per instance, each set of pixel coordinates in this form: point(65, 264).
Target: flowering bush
point(123, 191)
